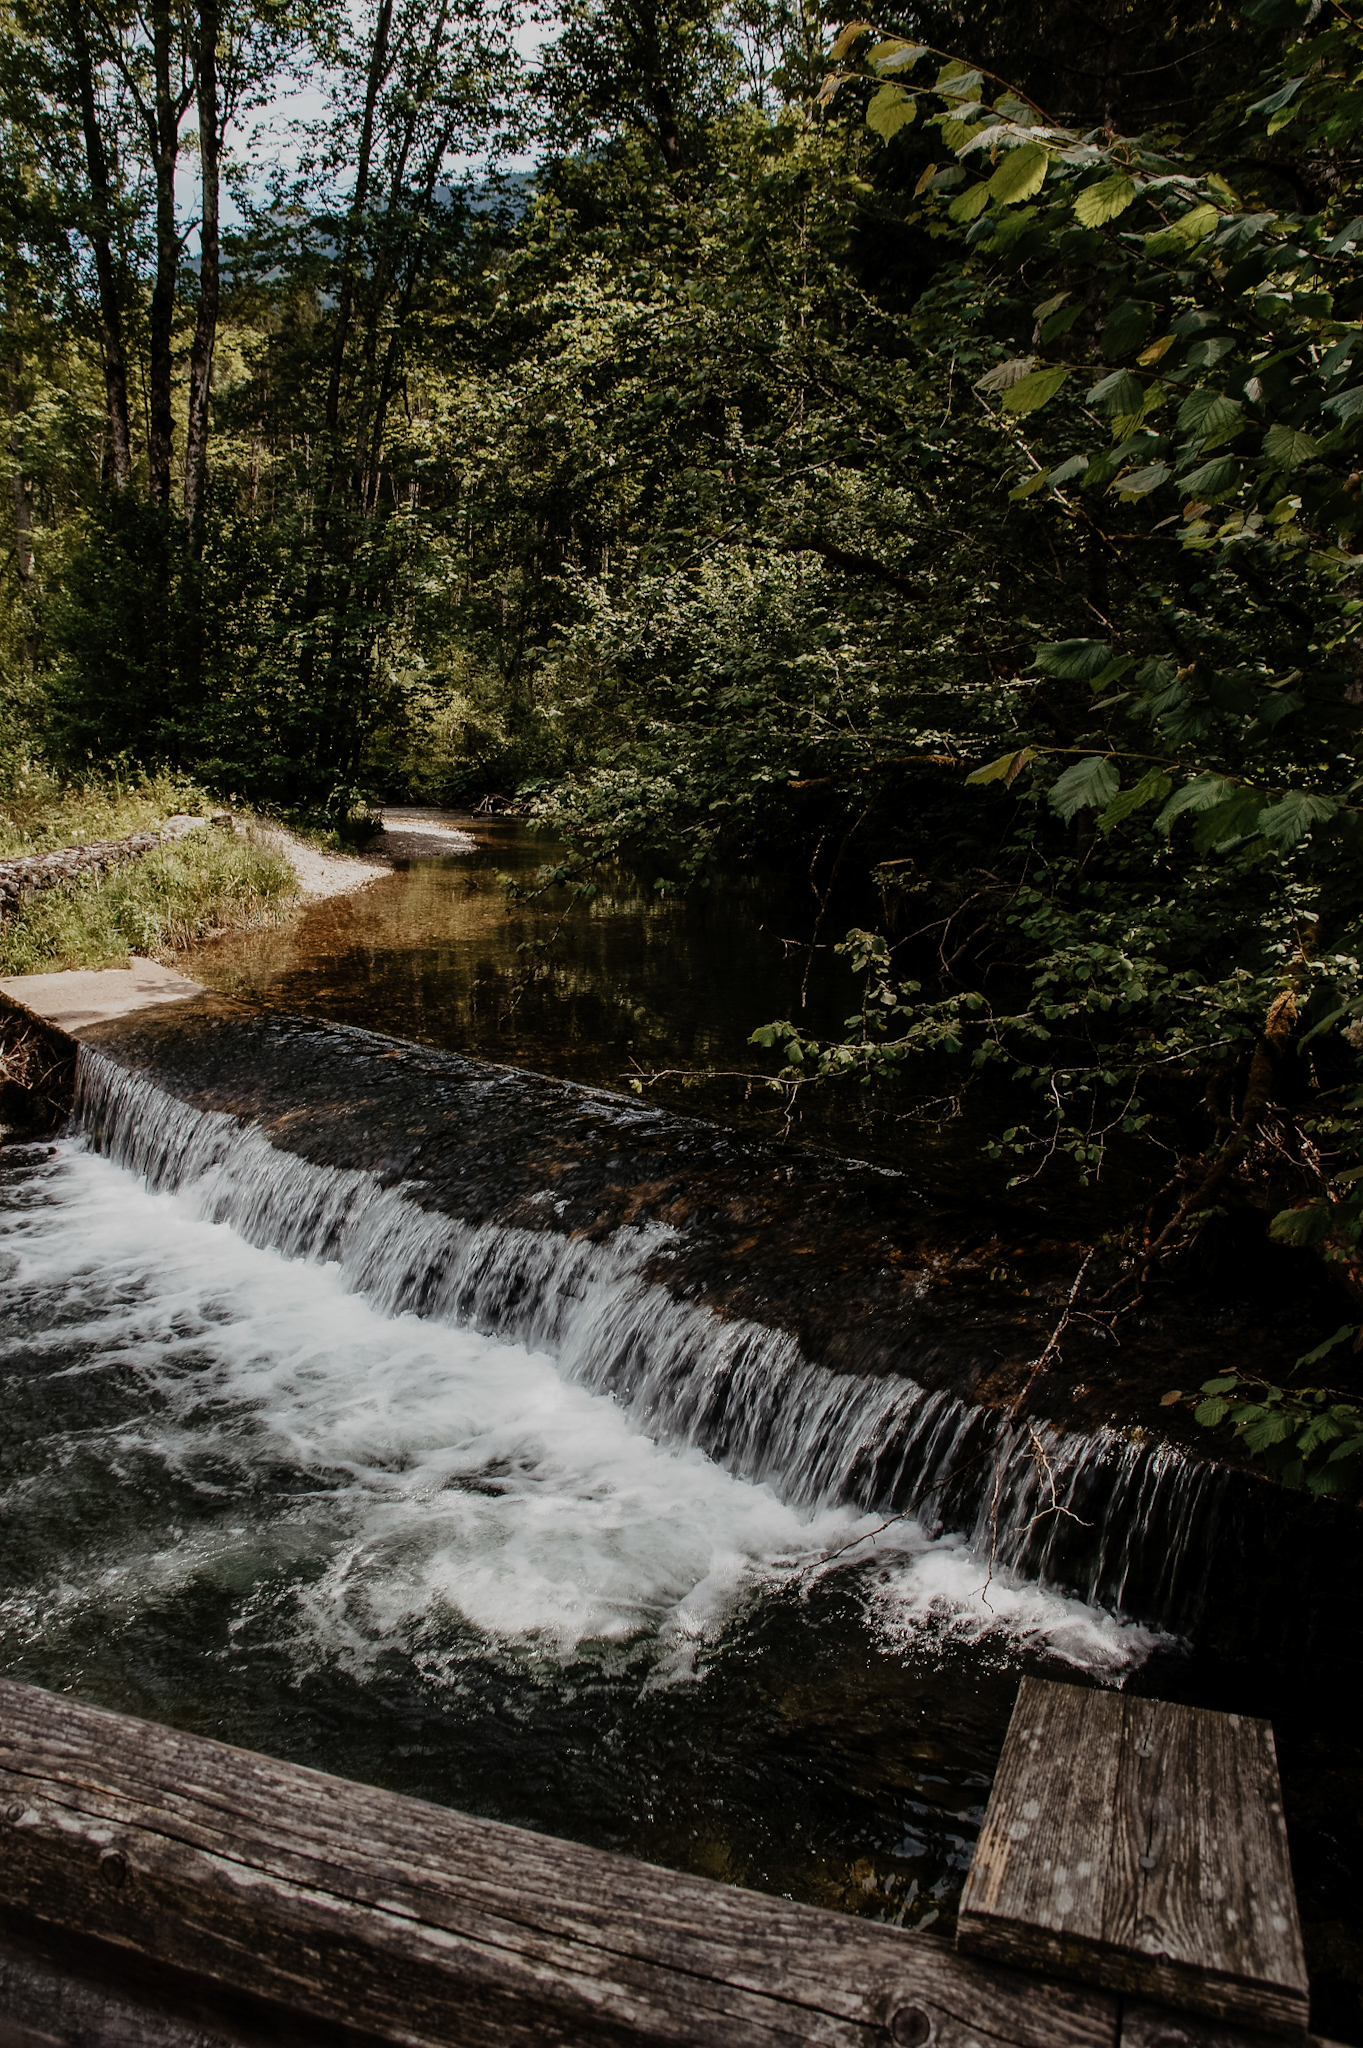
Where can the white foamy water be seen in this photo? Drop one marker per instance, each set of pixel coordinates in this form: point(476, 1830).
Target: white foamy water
point(411, 1475)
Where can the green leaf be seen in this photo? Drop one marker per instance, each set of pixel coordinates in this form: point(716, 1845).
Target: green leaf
point(1223, 1384)
point(1198, 795)
point(1213, 479)
point(969, 204)
point(1346, 405)
point(1149, 790)
point(1279, 99)
point(1004, 375)
point(1288, 449)
point(1020, 174)
point(1235, 818)
point(890, 110)
point(1211, 1412)
point(1184, 234)
point(1141, 481)
point(1126, 327)
point(1006, 769)
point(1033, 392)
point(1209, 417)
point(1099, 204)
point(1028, 489)
point(1303, 1226)
point(1073, 661)
point(1088, 785)
point(895, 55)
point(1288, 821)
point(1120, 394)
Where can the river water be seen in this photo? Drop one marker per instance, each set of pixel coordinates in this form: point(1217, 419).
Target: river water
point(246, 1491)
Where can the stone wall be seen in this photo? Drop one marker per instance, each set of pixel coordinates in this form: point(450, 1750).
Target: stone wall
point(20, 876)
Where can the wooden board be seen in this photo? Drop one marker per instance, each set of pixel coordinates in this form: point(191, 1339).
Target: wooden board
point(387, 1919)
point(1141, 1846)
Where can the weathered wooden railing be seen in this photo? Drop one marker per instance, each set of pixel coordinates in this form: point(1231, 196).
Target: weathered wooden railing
point(162, 1891)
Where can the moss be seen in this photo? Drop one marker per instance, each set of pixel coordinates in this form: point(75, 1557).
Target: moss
point(207, 882)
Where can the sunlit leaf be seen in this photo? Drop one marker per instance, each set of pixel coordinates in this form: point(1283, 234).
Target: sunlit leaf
point(1020, 173)
point(890, 110)
point(848, 36)
point(1003, 375)
point(1103, 202)
point(1034, 391)
point(969, 204)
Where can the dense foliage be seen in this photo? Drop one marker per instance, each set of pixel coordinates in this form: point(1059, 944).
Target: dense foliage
point(924, 452)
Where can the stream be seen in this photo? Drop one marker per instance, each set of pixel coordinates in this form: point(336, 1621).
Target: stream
point(396, 1413)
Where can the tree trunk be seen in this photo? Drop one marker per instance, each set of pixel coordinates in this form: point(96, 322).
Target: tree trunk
point(205, 332)
point(101, 241)
point(163, 135)
point(345, 303)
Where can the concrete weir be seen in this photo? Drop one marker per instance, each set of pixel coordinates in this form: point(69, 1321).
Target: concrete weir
point(79, 997)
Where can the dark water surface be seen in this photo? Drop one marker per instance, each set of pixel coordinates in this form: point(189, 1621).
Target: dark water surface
point(623, 988)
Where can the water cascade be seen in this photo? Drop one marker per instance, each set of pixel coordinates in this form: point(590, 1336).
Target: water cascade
point(1122, 1525)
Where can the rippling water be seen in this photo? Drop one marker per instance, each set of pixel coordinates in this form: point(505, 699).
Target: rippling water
point(239, 1497)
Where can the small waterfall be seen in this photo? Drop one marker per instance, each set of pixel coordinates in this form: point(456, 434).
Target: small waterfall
point(1119, 1522)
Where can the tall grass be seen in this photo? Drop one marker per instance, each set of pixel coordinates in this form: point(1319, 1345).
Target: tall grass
point(45, 814)
point(207, 882)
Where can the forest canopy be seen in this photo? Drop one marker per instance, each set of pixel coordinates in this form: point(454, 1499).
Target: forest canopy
point(927, 447)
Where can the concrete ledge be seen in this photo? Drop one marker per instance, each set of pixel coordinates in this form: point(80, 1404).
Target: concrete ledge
point(81, 996)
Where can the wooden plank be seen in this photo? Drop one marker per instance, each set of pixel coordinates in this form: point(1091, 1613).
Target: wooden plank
point(1155, 2026)
point(411, 1923)
point(1141, 1845)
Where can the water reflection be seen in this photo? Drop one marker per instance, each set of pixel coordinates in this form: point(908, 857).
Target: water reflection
point(605, 992)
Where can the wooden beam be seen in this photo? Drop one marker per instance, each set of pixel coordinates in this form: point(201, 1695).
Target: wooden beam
point(1141, 1846)
point(381, 1918)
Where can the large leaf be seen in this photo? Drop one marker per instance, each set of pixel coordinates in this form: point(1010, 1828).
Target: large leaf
point(1020, 174)
point(1346, 405)
point(1302, 1226)
point(1236, 817)
point(848, 37)
point(1102, 203)
point(1276, 101)
point(970, 204)
point(1184, 234)
point(1151, 789)
point(1073, 661)
point(1197, 795)
point(1288, 449)
point(895, 55)
point(890, 110)
point(1088, 785)
point(1209, 417)
point(1126, 327)
point(1006, 769)
point(1120, 394)
point(1140, 481)
point(1212, 479)
point(1035, 390)
point(1290, 819)
point(1004, 375)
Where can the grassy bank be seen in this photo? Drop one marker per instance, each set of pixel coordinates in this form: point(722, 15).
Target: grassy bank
point(207, 882)
point(47, 814)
